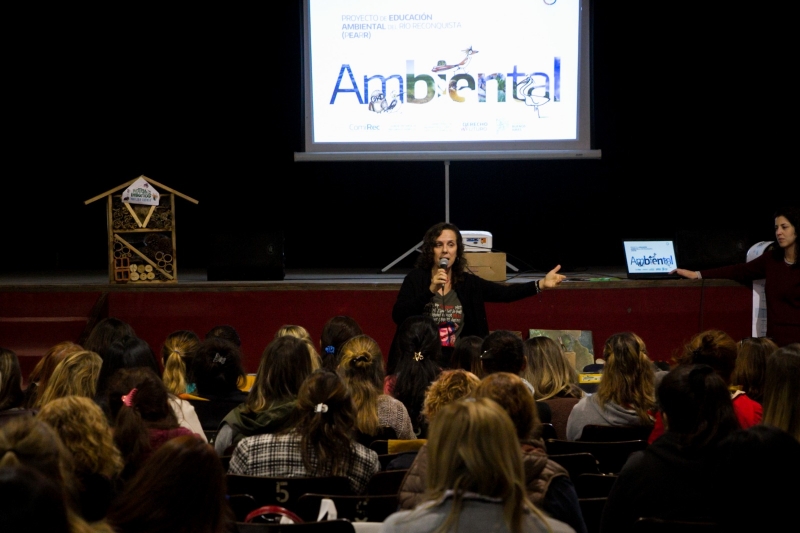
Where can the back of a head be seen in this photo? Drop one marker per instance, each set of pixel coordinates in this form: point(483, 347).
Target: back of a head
point(467, 353)
point(127, 352)
point(225, 332)
point(697, 405)
point(177, 355)
point(548, 369)
point(782, 390)
point(513, 396)
point(77, 374)
point(105, 332)
point(361, 360)
point(301, 333)
point(32, 442)
point(473, 447)
point(140, 390)
point(714, 348)
point(11, 394)
point(326, 420)
point(31, 502)
point(217, 367)
point(85, 431)
point(451, 385)
point(763, 458)
point(628, 375)
point(336, 331)
point(751, 365)
point(44, 368)
point(418, 348)
point(181, 488)
point(284, 365)
point(502, 351)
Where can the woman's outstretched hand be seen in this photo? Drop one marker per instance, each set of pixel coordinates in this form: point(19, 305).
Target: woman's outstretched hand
point(682, 272)
point(552, 278)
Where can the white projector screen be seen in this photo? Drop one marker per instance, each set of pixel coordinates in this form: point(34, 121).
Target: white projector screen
point(446, 80)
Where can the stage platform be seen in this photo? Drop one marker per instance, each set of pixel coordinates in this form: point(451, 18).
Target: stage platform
point(39, 309)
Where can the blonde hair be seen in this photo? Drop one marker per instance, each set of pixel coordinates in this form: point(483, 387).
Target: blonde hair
point(628, 376)
point(549, 370)
point(40, 375)
point(473, 447)
point(75, 375)
point(179, 347)
point(451, 385)
point(84, 429)
point(361, 369)
point(302, 333)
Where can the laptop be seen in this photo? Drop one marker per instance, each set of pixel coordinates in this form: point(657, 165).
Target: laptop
point(649, 259)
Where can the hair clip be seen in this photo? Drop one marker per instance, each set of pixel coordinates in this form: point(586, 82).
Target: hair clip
point(418, 356)
point(330, 349)
point(321, 408)
point(127, 399)
point(219, 359)
point(487, 354)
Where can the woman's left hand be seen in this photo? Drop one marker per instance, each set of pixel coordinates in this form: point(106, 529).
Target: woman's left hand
point(552, 278)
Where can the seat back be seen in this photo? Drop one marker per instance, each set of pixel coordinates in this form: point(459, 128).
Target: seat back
point(604, 433)
point(576, 463)
point(387, 482)
point(611, 456)
point(384, 433)
point(326, 526)
point(659, 525)
point(549, 431)
point(284, 491)
point(354, 508)
point(591, 485)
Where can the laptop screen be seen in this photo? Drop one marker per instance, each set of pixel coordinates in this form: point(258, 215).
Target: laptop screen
point(650, 259)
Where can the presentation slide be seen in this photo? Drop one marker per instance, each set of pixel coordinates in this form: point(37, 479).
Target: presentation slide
point(444, 71)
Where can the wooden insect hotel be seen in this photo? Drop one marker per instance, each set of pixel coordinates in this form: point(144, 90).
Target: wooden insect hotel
point(141, 231)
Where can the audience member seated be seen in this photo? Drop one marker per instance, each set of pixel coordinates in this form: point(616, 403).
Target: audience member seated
point(467, 354)
point(754, 476)
point(272, 400)
point(475, 477)
point(361, 368)
point(751, 366)
point(33, 443)
point(31, 501)
point(418, 347)
point(782, 390)
point(321, 444)
point(181, 489)
point(336, 331)
point(37, 379)
point(626, 393)
point(673, 478)
point(76, 375)
point(107, 331)
point(177, 355)
point(133, 352)
point(547, 483)
point(218, 373)
point(141, 416)
point(302, 333)
point(554, 380)
point(12, 397)
point(718, 350)
point(84, 430)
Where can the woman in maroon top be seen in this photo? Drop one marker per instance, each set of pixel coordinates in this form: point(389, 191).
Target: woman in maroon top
point(779, 268)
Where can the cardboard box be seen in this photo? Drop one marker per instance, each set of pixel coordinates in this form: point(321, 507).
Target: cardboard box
point(488, 265)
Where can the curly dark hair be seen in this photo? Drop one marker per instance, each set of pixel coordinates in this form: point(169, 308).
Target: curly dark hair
point(425, 260)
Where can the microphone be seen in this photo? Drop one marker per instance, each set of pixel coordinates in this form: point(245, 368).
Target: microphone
point(443, 262)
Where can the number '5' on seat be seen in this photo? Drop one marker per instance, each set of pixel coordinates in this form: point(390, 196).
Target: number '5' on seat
point(284, 491)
